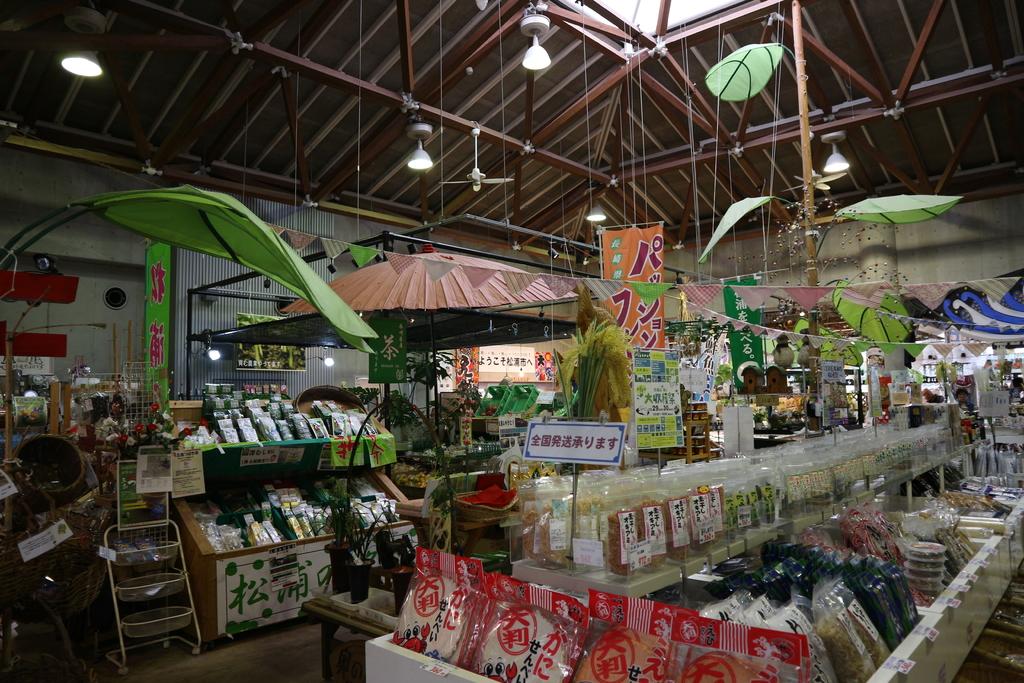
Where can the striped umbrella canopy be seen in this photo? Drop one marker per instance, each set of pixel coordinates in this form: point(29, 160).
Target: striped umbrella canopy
point(471, 283)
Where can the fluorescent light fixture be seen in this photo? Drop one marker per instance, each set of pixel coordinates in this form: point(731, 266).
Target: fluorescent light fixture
point(82, 64)
point(419, 160)
point(536, 58)
point(596, 213)
point(836, 162)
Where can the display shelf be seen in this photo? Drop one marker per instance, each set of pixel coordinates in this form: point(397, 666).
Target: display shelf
point(633, 586)
point(386, 661)
point(957, 616)
point(253, 460)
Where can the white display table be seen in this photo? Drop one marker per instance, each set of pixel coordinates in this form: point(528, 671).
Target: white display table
point(389, 663)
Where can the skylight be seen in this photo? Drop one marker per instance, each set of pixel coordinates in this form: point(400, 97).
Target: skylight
point(644, 13)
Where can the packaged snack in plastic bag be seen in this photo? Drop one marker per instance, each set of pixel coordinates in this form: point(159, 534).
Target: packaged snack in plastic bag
point(443, 602)
point(846, 650)
point(533, 638)
point(730, 609)
point(791, 617)
point(547, 514)
point(710, 650)
point(629, 641)
point(869, 635)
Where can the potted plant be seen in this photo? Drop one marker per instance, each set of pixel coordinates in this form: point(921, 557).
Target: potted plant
point(361, 548)
point(338, 549)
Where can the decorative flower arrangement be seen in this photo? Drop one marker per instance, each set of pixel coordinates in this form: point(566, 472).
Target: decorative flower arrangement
point(156, 429)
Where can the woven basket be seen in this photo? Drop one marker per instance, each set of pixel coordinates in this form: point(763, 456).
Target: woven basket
point(20, 579)
point(67, 463)
point(468, 512)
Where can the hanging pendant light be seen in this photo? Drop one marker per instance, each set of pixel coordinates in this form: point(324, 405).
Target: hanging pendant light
point(596, 213)
point(534, 25)
point(82, 64)
point(836, 162)
point(419, 130)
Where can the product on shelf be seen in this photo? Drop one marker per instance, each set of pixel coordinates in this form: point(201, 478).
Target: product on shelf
point(443, 600)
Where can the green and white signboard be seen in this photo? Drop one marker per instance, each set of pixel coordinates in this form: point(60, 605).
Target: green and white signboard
point(387, 360)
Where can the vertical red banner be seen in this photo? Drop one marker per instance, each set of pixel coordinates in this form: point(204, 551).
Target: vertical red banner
point(637, 255)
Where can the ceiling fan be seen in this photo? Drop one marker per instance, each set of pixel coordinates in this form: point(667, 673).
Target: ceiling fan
point(820, 182)
point(476, 177)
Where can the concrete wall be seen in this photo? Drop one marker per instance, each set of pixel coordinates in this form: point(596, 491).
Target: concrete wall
point(101, 255)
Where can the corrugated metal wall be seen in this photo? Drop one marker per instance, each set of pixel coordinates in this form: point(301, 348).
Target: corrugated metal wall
point(192, 270)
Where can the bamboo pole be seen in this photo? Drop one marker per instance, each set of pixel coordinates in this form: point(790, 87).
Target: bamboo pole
point(8, 614)
point(810, 234)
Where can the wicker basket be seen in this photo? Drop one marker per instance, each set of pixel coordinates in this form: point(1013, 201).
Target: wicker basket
point(21, 579)
point(65, 462)
point(479, 514)
point(324, 392)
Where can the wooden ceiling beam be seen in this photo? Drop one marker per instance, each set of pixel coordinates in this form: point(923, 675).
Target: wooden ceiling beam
point(467, 54)
point(405, 45)
point(34, 13)
point(860, 32)
point(311, 33)
point(961, 145)
point(227, 9)
point(273, 18)
point(517, 173)
point(563, 17)
point(112, 65)
point(292, 112)
point(723, 23)
point(45, 41)
point(663, 10)
point(163, 17)
point(885, 162)
point(988, 24)
point(919, 46)
point(840, 65)
point(925, 98)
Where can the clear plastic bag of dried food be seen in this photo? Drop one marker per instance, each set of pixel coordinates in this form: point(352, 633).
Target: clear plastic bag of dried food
point(869, 635)
point(846, 650)
point(546, 518)
point(794, 616)
point(626, 549)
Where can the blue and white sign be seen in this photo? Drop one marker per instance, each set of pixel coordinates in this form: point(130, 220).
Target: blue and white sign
point(585, 443)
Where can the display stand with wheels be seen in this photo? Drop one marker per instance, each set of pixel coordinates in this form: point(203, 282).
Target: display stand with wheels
point(150, 589)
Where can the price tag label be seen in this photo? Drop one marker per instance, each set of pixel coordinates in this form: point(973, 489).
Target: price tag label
point(640, 555)
point(926, 631)
point(898, 664)
point(588, 552)
point(948, 602)
point(107, 553)
point(439, 669)
point(960, 586)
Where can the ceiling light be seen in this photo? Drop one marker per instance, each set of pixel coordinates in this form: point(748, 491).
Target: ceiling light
point(328, 361)
point(213, 354)
point(536, 58)
point(596, 213)
point(534, 25)
point(836, 162)
point(419, 160)
point(82, 64)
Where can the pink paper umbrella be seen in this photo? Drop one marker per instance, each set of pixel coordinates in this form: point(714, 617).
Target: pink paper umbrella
point(381, 287)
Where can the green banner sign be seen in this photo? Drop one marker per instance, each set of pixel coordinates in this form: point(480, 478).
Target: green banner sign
point(158, 319)
point(744, 346)
point(387, 357)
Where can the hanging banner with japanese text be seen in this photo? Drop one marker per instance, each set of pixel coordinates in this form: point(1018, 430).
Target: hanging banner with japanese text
point(158, 320)
point(498, 362)
point(387, 362)
point(636, 254)
point(657, 407)
point(744, 346)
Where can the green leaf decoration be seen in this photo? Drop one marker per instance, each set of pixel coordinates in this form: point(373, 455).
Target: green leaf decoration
point(649, 291)
point(899, 209)
point(745, 72)
point(732, 215)
point(362, 255)
point(867, 322)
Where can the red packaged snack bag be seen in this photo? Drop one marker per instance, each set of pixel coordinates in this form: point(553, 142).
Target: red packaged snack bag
point(628, 641)
point(710, 651)
point(443, 601)
point(532, 639)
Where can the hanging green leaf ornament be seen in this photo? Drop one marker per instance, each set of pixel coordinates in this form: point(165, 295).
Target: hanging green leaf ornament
point(745, 72)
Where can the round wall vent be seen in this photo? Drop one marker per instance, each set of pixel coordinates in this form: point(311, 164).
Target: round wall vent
point(115, 298)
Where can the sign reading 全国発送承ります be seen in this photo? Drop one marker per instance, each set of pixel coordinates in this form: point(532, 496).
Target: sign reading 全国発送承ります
point(585, 443)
